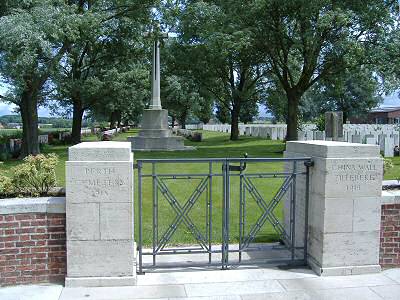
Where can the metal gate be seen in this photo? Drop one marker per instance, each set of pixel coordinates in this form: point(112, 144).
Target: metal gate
point(213, 182)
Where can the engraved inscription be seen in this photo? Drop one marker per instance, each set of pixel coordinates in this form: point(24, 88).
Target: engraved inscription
point(99, 171)
point(101, 181)
point(354, 176)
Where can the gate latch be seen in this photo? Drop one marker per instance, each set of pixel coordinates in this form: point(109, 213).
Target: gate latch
point(239, 168)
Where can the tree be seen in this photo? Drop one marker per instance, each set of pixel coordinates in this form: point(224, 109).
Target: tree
point(222, 114)
point(180, 98)
point(109, 36)
point(205, 107)
point(182, 95)
point(354, 92)
point(215, 43)
point(34, 36)
point(123, 91)
point(249, 112)
point(307, 41)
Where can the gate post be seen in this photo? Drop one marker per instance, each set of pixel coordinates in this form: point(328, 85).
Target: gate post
point(99, 215)
point(344, 206)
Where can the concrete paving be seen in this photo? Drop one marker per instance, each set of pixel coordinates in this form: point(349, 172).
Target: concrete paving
point(236, 284)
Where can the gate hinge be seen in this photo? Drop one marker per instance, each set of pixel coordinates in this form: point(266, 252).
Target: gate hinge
point(135, 166)
point(309, 163)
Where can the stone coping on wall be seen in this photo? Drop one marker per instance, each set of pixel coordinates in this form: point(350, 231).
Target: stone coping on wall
point(55, 205)
point(390, 197)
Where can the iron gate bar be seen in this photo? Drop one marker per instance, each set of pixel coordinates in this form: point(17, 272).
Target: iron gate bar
point(225, 217)
point(246, 185)
point(308, 164)
point(185, 176)
point(140, 245)
point(293, 210)
point(268, 175)
point(209, 216)
point(155, 212)
point(222, 160)
point(181, 214)
point(242, 212)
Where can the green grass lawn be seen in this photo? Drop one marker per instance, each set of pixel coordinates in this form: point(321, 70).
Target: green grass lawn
point(214, 145)
point(394, 173)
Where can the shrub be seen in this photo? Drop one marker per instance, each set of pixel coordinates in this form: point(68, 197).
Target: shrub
point(6, 187)
point(387, 164)
point(320, 122)
point(4, 156)
point(35, 177)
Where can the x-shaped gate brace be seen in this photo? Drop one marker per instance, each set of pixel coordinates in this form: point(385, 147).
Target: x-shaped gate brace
point(182, 214)
point(268, 211)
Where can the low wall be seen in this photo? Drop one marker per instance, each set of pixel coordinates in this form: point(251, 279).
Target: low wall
point(389, 255)
point(32, 240)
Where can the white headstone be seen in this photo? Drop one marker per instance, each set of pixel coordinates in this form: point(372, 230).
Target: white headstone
point(389, 147)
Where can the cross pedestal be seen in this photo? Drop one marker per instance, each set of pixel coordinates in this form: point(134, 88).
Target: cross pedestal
point(155, 133)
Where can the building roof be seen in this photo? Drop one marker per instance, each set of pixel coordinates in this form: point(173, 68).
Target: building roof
point(385, 109)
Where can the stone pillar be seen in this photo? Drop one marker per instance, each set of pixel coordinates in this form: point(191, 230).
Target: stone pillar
point(99, 215)
point(344, 206)
point(334, 126)
point(156, 100)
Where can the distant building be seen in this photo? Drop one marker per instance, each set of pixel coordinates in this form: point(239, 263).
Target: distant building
point(385, 115)
point(45, 125)
point(14, 125)
point(380, 115)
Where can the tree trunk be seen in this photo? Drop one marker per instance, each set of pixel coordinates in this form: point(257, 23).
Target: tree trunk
point(293, 116)
point(77, 116)
point(30, 132)
point(182, 121)
point(235, 123)
point(345, 116)
point(183, 117)
point(113, 119)
point(119, 119)
point(173, 121)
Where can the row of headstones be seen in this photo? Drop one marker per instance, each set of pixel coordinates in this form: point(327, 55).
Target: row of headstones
point(190, 134)
point(387, 142)
point(111, 132)
point(387, 136)
point(371, 127)
point(14, 145)
point(195, 126)
point(114, 131)
point(268, 131)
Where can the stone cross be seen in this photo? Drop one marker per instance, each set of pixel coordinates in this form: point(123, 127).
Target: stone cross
point(155, 74)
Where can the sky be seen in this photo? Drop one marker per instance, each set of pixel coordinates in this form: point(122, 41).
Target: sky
point(6, 109)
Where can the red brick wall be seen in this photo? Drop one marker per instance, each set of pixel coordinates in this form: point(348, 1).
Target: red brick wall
point(32, 248)
point(390, 236)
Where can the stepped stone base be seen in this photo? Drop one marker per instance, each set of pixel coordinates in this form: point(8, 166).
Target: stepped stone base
point(157, 143)
point(155, 134)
